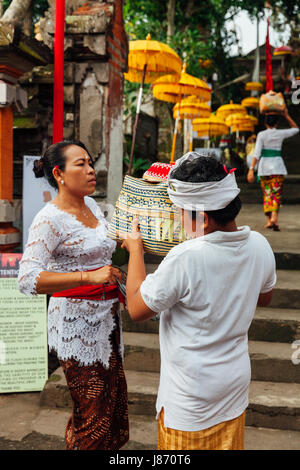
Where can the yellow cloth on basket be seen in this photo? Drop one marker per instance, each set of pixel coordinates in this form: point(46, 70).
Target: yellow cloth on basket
point(228, 435)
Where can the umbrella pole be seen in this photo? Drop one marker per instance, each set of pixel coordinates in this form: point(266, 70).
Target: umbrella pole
point(136, 119)
point(175, 132)
point(191, 136)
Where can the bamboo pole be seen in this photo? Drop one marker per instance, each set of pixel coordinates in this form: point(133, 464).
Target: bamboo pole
point(137, 119)
point(175, 131)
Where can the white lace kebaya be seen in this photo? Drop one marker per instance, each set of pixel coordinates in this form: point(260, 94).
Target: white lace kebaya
point(58, 242)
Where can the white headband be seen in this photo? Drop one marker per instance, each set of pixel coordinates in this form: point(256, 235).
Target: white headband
point(209, 196)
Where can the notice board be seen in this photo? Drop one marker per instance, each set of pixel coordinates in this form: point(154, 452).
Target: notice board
point(36, 193)
point(23, 332)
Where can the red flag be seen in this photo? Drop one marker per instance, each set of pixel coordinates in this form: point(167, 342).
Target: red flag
point(269, 79)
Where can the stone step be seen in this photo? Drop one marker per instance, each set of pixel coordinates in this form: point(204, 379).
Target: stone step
point(286, 293)
point(274, 405)
point(142, 433)
point(285, 244)
point(142, 352)
point(271, 439)
point(275, 362)
point(143, 436)
point(271, 405)
point(269, 324)
point(252, 193)
point(275, 325)
point(269, 361)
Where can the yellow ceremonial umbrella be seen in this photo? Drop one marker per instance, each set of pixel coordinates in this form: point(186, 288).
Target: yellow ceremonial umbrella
point(283, 50)
point(190, 108)
point(212, 126)
point(170, 89)
point(241, 122)
point(236, 119)
point(243, 128)
point(250, 102)
point(229, 109)
point(253, 86)
point(151, 59)
point(148, 60)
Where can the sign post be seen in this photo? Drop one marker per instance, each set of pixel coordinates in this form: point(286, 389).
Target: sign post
point(23, 333)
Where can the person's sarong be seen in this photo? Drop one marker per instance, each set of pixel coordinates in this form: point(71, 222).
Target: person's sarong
point(228, 435)
point(272, 191)
point(100, 407)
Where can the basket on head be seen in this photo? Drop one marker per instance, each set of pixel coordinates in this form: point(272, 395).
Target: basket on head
point(271, 102)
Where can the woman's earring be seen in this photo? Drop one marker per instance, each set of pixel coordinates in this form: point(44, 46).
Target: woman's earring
point(62, 182)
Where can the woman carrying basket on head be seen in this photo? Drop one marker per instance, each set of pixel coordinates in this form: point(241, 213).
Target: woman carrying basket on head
point(271, 167)
point(69, 255)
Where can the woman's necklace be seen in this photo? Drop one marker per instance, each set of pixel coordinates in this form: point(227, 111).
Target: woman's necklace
point(85, 214)
point(89, 216)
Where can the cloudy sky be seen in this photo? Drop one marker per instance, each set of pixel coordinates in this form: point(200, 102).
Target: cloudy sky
point(246, 31)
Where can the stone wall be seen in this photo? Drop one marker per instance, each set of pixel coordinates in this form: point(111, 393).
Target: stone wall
point(95, 58)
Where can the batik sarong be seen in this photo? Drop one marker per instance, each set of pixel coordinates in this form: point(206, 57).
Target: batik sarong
point(100, 407)
point(272, 191)
point(228, 435)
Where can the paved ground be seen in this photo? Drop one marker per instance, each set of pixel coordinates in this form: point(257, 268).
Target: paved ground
point(26, 426)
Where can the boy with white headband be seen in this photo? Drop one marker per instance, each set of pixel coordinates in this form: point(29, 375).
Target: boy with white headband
point(206, 289)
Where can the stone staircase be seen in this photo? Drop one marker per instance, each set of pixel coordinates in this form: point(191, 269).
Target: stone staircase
point(273, 414)
point(252, 194)
point(275, 386)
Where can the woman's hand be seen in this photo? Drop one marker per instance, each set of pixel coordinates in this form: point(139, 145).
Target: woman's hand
point(250, 176)
point(105, 275)
point(133, 241)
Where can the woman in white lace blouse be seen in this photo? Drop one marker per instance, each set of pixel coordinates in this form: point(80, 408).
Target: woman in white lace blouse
point(68, 248)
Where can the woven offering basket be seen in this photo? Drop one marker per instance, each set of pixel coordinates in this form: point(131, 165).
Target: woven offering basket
point(271, 102)
point(159, 220)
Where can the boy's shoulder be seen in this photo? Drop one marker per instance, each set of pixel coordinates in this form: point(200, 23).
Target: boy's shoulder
point(258, 238)
point(185, 248)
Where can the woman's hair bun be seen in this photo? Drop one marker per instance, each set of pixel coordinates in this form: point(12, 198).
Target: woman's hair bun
point(38, 168)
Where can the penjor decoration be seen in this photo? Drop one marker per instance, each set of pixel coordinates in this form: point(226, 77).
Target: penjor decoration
point(269, 79)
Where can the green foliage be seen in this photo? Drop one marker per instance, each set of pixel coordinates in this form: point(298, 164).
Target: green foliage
point(201, 33)
point(139, 165)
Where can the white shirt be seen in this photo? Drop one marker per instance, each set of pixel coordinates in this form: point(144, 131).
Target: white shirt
point(272, 139)
point(207, 290)
point(58, 242)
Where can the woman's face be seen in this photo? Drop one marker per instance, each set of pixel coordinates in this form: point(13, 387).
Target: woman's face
point(79, 175)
